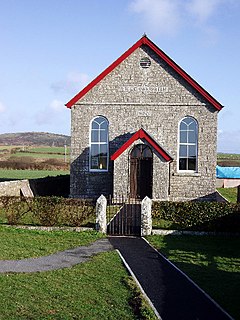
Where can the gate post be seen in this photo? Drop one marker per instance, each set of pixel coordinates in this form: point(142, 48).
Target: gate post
point(101, 219)
point(146, 216)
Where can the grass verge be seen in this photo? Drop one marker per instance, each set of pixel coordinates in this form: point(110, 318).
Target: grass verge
point(229, 193)
point(212, 262)
point(138, 302)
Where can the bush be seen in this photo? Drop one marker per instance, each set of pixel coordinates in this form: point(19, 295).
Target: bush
point(197, 215)
point(27, 162)
point(18, 163)
point(75, 212)
point(54, 162)
point(47, 211)
point(14, 208)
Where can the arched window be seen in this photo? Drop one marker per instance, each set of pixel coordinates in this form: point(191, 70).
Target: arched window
point(188, 143)
point(99, 144)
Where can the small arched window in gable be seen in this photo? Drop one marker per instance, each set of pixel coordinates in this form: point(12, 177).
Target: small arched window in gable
point(99, 151)
point(188, 144)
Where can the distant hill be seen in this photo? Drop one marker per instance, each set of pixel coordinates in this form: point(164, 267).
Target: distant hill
point(34, 139)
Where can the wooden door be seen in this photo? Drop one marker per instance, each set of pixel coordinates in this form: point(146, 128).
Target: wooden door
point(141, 170)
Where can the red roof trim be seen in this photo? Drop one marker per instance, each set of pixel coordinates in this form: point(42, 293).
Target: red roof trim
point(104, 73)
point(185, 76)
point(141, 134)
point(160, 53)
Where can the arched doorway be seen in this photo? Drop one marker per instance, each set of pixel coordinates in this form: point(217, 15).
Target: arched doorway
point(141, 171)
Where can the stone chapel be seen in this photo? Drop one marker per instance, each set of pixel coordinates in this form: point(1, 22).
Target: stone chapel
point(144, 127)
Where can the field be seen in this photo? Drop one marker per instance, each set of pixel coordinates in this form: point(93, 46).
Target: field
point(19, 162)
point(228, 159)
point(36, 152)
point(41, 155)
point(11, 174)
point(212, 262)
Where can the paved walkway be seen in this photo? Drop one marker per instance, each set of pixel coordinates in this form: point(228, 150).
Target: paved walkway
point(173, 295)
point(59, 260)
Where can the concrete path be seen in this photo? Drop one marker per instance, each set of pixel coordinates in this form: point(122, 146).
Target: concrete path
point(173, 294)
point(59, 260)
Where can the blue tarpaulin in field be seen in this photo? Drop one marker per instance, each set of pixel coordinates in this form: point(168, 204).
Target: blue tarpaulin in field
point(228, 172)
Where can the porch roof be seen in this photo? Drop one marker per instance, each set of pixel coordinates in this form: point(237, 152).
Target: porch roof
point(144, 136)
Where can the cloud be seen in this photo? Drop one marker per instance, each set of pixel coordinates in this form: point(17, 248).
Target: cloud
point(202, 10)
point(57, 105)
point(2, 107)
point(169, 16)
point(48, 120)
point(229, 141)
point(54, 112)
point(73, 83)
point(163, 16)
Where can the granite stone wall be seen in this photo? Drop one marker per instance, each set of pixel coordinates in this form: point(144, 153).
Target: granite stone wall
point(15, 188)
point(155, 99)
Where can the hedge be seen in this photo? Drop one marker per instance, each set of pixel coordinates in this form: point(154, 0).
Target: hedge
point(210, 216)
point(57, 211)
point(47, 211)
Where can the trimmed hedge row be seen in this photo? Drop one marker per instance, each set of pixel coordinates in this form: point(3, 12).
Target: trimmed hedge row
point(204, 216)
point(46, 211)
point(57, 211)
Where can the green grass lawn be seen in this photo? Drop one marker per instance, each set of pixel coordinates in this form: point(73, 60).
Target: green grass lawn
point(19, 243)
point(165, 224)
point(229, 193)
point(97, 289)
point(212, 262)
point(29, 174)
point(86, 291)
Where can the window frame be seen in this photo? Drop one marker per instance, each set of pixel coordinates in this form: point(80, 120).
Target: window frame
point(187, 144)
point(98, 144)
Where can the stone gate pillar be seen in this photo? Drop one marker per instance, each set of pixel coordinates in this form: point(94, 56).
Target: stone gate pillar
point(101, 219)
point(146, 216)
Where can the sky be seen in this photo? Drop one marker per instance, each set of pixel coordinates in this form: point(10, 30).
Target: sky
point(51, 49)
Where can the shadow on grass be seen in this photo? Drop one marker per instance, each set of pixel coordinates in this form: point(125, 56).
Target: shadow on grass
point(211, 262)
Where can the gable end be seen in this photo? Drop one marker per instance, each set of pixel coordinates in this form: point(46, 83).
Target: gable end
point(145, 41)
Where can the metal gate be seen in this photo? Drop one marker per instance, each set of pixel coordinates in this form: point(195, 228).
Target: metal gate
point(124, 218)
